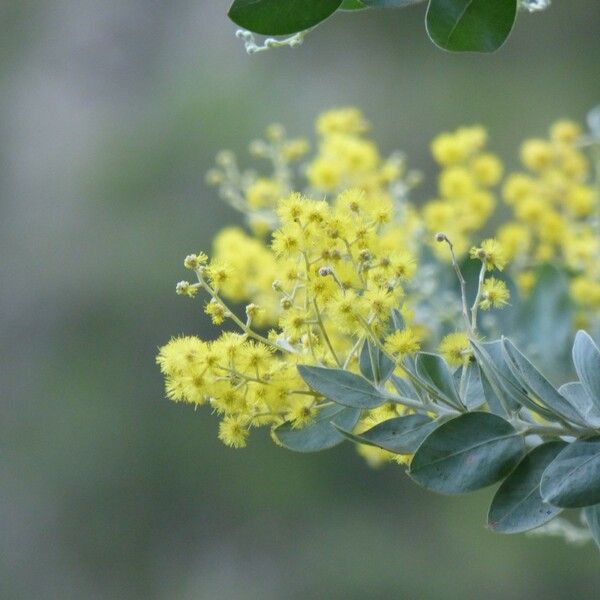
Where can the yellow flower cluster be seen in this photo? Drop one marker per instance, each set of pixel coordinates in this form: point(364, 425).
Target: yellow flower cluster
point(468, 175)
point(555, 213)
point(322, 269)
point(329, 279)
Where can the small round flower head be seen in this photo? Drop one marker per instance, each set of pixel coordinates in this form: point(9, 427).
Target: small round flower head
point(487, 169)
point(195, 261)
point(491, 253)
point(216, 311)
point(456, 348)
point(536, 154)
point(185, 288)
point(348, 120)
point(495, 294)
point(233, 431)
point(294, 149)
point(565, 132)
point(401, 343)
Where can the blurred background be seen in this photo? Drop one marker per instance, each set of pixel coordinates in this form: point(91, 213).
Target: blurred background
point(110, 114)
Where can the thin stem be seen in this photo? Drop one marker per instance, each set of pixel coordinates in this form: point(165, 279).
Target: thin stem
point(353, 351)
point(475, 306)
point(441, 237)
point(324, 332)
point(249, 332)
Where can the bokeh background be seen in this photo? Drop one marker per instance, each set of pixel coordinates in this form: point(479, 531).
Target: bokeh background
point(110, 113)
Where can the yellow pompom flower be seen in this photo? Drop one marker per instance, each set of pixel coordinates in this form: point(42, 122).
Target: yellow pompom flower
point(347, 120)
point(492, 253)
point(233, 432)
point(403, 342)
point(456, 348)
point(494, 294)
point(263, 192)
point(487, 169)
point(536, 154)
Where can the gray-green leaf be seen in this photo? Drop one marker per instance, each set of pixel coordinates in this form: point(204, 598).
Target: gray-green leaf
point(371, 357)
point(281, 17)
point(518, 505)
point(470, 25)
point(592, 518)
point(586, 358)
point(469, 452)
point(572, 480)
point(538, 385)
point(401, 435)
point(320, 434)
point(434, 373)
point(342, 387)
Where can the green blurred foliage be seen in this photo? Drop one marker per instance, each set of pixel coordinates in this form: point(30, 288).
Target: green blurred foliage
point(110, 114)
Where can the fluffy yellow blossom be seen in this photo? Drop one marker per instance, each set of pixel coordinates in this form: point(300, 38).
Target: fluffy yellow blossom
point(456, 348)
point(403, 342)
point(536, 154)
point(491, 253)
point(263, 192)
point(315, 275)
point(233, 432)
point(495, 294)
point(347, 120)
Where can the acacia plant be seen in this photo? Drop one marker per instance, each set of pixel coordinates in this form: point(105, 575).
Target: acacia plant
point(415, 330)
point(455, 25)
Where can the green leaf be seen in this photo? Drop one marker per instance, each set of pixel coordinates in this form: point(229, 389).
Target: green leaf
point(401, 435)
point(592, 518)
point(320, 434)
point(506, 387)
point(433, 371)
point(586, 358)
point(473, 395)
point(538, 385)
point(371, 356)
point(572, 480)
point(390, 3)
point(502, 388)
point(467, 453)
point(281, 17)
point(353, 5)
point(342, 387)
point(518, 505)
point(404, 388)
point(579, 399)
point(470, 25)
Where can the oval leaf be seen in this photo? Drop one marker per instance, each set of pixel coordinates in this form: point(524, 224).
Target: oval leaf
point(353, 5)
point(472, 395)
point(467, 453)
point(579, 399)
point(586, 358)
point(342, 387)
point(572, 480)
point(401, 435)
point(371, 357)
point(320, 434)
point(390, 3)
point(433, 371)
point(538, 385)
point(281, 17)
point(470, 25)
point(503, 393)
point(518, 505)
point(592, 518)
